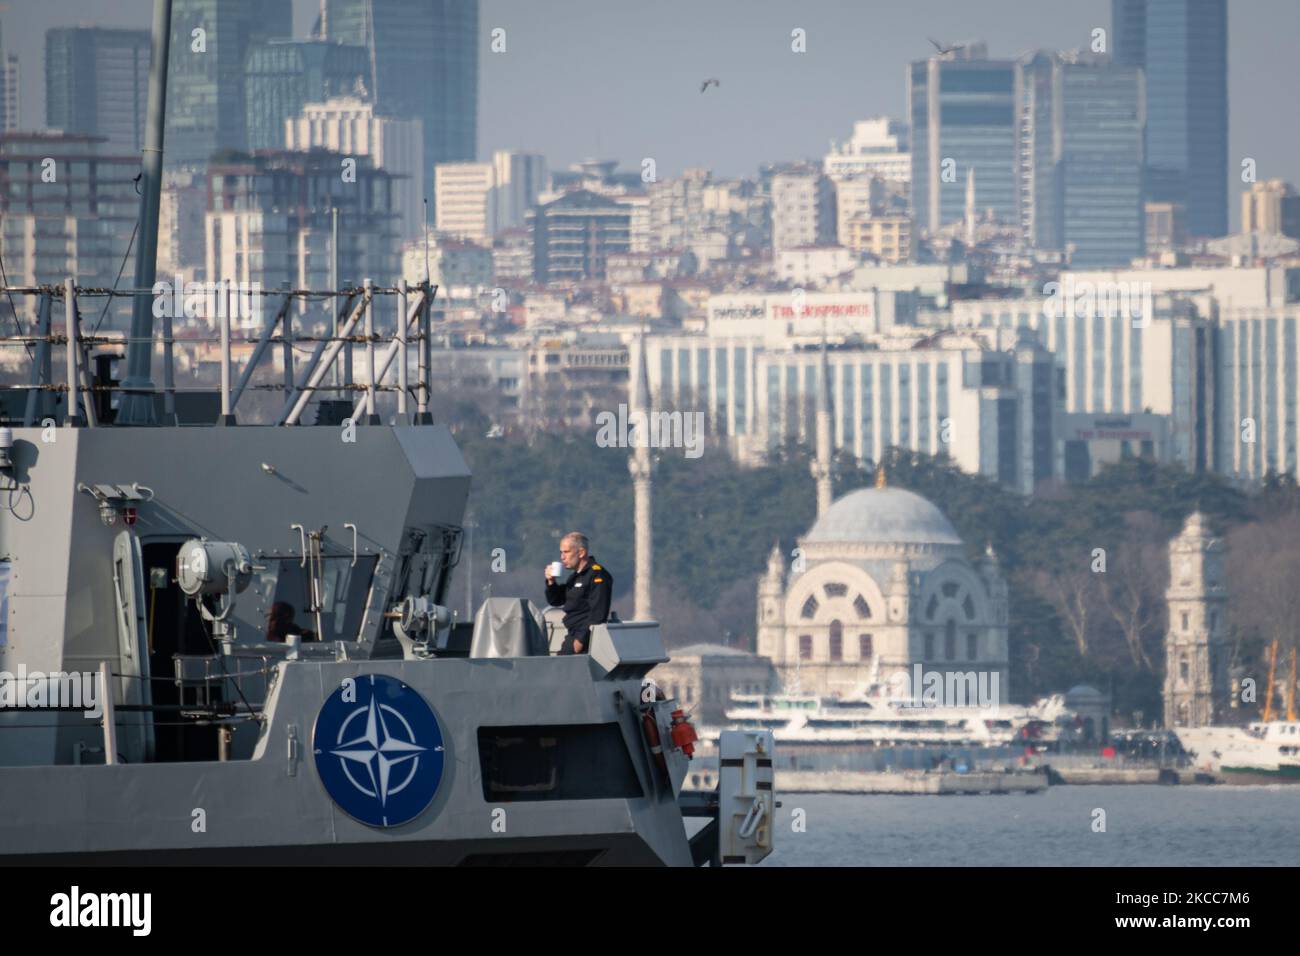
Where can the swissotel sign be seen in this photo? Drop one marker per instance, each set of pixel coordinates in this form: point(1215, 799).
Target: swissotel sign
point(795, 313)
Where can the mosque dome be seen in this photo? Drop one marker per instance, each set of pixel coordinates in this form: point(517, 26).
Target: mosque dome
point(883, 516)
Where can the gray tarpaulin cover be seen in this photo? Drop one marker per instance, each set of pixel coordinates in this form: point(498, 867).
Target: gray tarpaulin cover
point(508, 627)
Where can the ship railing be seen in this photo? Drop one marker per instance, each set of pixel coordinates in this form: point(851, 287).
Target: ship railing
point(375, 324)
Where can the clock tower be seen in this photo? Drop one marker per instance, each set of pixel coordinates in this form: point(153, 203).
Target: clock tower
point(1196, 685)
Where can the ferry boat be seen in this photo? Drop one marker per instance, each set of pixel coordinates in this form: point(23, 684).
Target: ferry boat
point(1261, 752)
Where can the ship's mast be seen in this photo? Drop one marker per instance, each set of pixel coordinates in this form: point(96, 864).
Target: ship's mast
point(1290, 689)
point(137, 406)
point(1268, 693)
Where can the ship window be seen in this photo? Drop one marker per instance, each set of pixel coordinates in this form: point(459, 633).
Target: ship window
point(835, 589)
point(860, 605)
point(805, 647)
point(809, 609)
point(837, 641)
point(864, 646)
point(559, 762)
point(343, 593)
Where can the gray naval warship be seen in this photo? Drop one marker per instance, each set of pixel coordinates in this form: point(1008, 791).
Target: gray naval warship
point(145, 538)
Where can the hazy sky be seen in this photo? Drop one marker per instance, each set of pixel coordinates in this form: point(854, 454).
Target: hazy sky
point(620, 78)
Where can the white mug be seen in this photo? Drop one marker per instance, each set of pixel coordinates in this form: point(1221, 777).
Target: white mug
point(556, 569)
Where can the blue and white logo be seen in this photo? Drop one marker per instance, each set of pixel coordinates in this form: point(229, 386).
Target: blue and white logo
point(378, 750)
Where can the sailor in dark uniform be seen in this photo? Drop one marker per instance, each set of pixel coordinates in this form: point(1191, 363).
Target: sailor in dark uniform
point(584, 597)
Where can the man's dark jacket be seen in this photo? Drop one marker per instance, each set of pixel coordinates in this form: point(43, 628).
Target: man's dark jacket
point(585, 599)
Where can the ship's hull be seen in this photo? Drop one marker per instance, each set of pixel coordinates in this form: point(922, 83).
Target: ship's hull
point(600, 801)
point(1254, 775)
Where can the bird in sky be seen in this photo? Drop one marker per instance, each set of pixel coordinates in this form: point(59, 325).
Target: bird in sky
point(711, 81)
point(946, 49)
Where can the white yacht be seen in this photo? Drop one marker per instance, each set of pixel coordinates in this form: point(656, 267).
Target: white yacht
point(871, 719)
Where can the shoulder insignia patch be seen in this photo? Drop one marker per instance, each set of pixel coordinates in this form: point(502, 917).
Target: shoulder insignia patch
point(595, 567)
point(597, 581)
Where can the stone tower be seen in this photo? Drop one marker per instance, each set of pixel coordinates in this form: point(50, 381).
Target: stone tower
point(1196, 687)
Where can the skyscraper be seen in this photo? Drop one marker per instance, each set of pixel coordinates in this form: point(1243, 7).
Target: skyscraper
point(206, 107)
point(281, 76)
point(1081, 160)
point(424, 62)
point(962, 112)
point(97, 82)
point(1182, 45)
point(13, 112)
point(9, 101)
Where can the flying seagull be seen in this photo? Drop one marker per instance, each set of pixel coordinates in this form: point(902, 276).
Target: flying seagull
point(946, 49)
point(711, 81)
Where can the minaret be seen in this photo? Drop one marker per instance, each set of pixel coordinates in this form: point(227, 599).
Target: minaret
point(771, 630)
point(640, 467)
point(1196, 653)
point(970, 206)
point(821, 466)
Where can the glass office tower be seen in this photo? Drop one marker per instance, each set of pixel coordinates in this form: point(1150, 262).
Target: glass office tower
point(206, 104)
point(425, 64)
point(97, 81)
point(963, 107)
point(1182, 45)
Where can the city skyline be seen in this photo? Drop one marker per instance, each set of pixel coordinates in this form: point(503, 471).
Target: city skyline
point(642, 99)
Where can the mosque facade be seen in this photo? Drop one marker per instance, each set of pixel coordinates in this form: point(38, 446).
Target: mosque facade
point(879, 594)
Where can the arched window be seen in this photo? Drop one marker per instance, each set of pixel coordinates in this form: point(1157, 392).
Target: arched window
point(969, 607)
point(835, 589)
point(837, 641)
point(809, 608)
point(860, 605)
